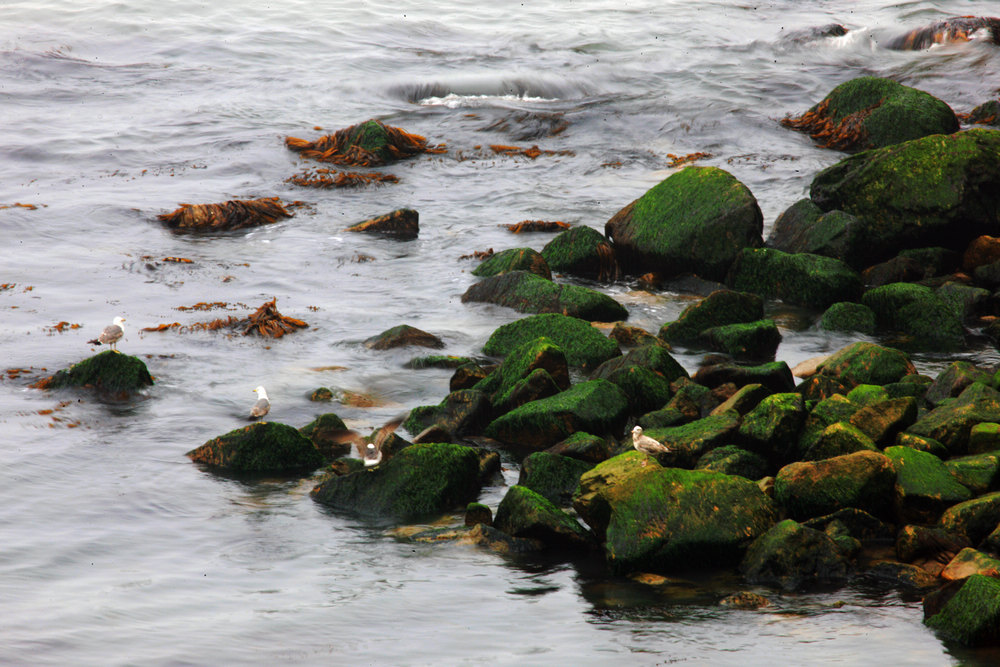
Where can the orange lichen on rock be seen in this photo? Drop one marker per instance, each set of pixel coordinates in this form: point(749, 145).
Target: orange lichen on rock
point(366, 144)
point(331, 178)
point(537, 226)
point(679, 160)
point(233, 214)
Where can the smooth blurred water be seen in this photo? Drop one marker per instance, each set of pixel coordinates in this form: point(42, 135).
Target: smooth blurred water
point(116, 549)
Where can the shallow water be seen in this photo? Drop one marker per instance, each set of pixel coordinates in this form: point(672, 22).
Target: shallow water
point(118, 550)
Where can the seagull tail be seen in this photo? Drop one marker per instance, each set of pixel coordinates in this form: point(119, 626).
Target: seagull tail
point(93, 342)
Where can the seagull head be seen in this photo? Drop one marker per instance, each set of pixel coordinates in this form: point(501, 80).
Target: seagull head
point(118, 321)
point(260, 392)
point(637, 431)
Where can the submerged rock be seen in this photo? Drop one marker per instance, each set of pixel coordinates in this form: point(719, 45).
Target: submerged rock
point(370, 143)
point(794, 557)
point(514, 259)
point(529, 293)
point(262, 447)
point(402, 223)
point(233, 214)
point(401, 336)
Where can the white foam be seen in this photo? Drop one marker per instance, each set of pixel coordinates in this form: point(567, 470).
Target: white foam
point(453, 101)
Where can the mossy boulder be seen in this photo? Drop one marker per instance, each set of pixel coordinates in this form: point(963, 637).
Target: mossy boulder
point(794, 557)
point(583, 447)
point(972, 615)
point(689, 442)
point(864, 480)
point(718, 308)
point(420, 481)
point(462, 411)
point(772, 428)
point(111, 373)
point(848, 316)
point(514, 259)
point(973, 519)
point(954, 379)
point(977, 472)
point(753, 340)
point(910, 579)
point(695, 221)
point(529, 293)
point(872, 112)
point(864, 395)
point(551, 475)
point(263, 448)
point(804, 227)
point(401, 336)
point(582, 251)
point(657, 519)
point(951, 422)
point(940, 190)
point(524, 513)
point(744, 399)
point(924, 487)
point(824, 412)
point(324, 432)
point(968, 562)
point(804, 279)
point(837, 439)
point(595, 406)
point(583, 345)
point(775, 376)
point(644, 374)
point(883, 420)
point(924, 318)
point(539, 353)
point(867, 363)
point(733, 460)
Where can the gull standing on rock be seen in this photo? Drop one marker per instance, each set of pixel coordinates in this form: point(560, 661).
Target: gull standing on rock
point(647, 445)
point(111, 334)
point(261, 407)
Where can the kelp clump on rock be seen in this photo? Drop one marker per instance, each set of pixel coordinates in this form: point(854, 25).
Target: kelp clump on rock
point(367, 144)
point(233, 214)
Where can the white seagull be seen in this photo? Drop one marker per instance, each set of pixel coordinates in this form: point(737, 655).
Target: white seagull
point(262, 405)
point(647, 445)
point(111, 334)
point(369, 452)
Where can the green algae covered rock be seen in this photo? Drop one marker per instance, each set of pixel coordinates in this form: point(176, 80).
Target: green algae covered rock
point(804, 227)
point(403, 335)
point(952, 421)
point(644, 374)
point(733, 460)
point(583, 345)
point(968, 562)
point(977, 472)
point(794, 557)
point(689, 442)
point(872, 112)
point(551, 475)
point(695, 221)
point(984, 437)
point(863, 480)
point(972, 615)
point(775, 376)
point(953, 380)
point(924, 487)
point(807, 280)
point(582, 251)
point(525, 514)
point(261, 447)
point(420, 481)
point(110, 372)
point(941, 190)
point(667, 519)
point(534, 354)
point(595, 406)
point(973, 519)
point(837, 439)
point(883, 420)
point(528, 293)
point(514, 259)
point(583, 447)
point(827, 411)
point(438, 361)
point(718, 308)
point(867, 363)
point(916, 311)
point(461, 411)
point(772, 428)
point(848, 316)
point(325, 432)
point(864, 395)
point(752, 340)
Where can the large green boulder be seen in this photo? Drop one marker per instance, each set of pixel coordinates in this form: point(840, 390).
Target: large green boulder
point(718, 308)
point(848, 316)
point(111, 373)
point(695, 221)
point(733, 460)
point(551, 475)
point(657, 519)
point(595, 406)
point(972, 615)
point(867, 363)
point(752, 340)
point(583, 344)
point(925, 319)
point(531, 355)
point(872, 112)
point(514, 259)
point(644, 374)
point(883, 420)
point(977, 472)
point(827, 411)
point(951, 422)
point(804, 227)
point(582, 251)
point(794, 557)
point(526, 514)
point(261, 447)
point(941, 190)
point(924, 487)
point(973, 519)
point(804, 279)
point(864, 480)
point(420, 481)
point(529, 293)
point(772, 428)
point(689, 442)
point(953, 380)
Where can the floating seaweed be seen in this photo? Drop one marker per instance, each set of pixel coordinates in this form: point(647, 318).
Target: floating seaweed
point(844, 135)
point(233, 214)
point(954, 29)
point(536, 226)
point(63, 326)
point(265, 321)
point(679, 160)
point(403, 223)
point(479, 254)
point(367, 144)
point(331, 178)
point(532, 152)
point(178, 260)
point(30, 207)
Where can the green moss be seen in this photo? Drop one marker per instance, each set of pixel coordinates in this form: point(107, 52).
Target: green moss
point(110, 372)
point(583, 344)
point(262, 447)
point(328, 421)
point(848, 316)
point(689, 442)
point(808, 280)
point(951, 422)
point(514, 259)
point(924, 487)
point(825, 412)
point(460, 411)
point(837, 439)
point(862, 480)
point(733, 460)
point(752, 340)
point(526, 514)
point(917, 311)
point(552, 475)
point(772, 428)
point(438, 361)
point(972, 616)
point(581, 251)
point(718, 308)
point(867, 394)
point(984, 437)
point(794, 557)
point(539, 353)
point(529, 293)
point(867, 363)
point(974, 519)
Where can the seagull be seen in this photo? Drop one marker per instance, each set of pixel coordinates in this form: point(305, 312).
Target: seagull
point(262, 405)
point(111, 334)
point(647, 445)
point(369, 452)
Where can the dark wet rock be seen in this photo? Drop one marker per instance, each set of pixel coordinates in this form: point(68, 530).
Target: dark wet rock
point(911, 385)
point(689, 442)
point(776, 376)
point(745, 600)
point(916, 542)
point(919, 313)
point(753, 340)
point(490, 466)
point(539, 354)
point(871, 112)
point(537, 385)
point(229, 215)
point(979, 473)
point(595, 406)
point(934, 191)
point(583, 447)
point(937, 261)
point(480, 535)
point(973, 519)
point(733, 460)
point(838, 439)
point(744, 399)
point(401, 336)
point(718, 308)
point(988, 276)
point(438, 361)
point(883, 420)
point(848, 316)
point(528, 293)
point(972, 615)
point(630, 336)
point(991, 543)
point(981, 251)
point(805, 279)
point(420, 481)
point(514, 259)
point(987, 113)
point(462, 411)
point(402, 223)
point(820, 387)
point(668, 416)
point(476, 513)
point(805, 228)
point(691, 399)
point(896, 270)
point(858, 523)
point(924, 487)
point(551, 475)
point(262, 447)
point(867, 363)
point(695, 221)
point(772, 428)
point(954, 29)
point(582, 251)
point(968, 562)
point(468, 375)
point(825, 412)
point(899, 576)
point(951, 422)
point(863, 480)
point(526, 514)
point(322, 394)
point(922, 444)
point(953, 380)
point(644, 374)
point(583, 345)
point(848, 545)
point(967, 301)
point(111, 373)
point(325, 433)
point(794, 557)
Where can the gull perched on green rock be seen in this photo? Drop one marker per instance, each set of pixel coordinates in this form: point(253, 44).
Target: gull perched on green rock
point(262, 406)
point(111, 334)
point(647, 445)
